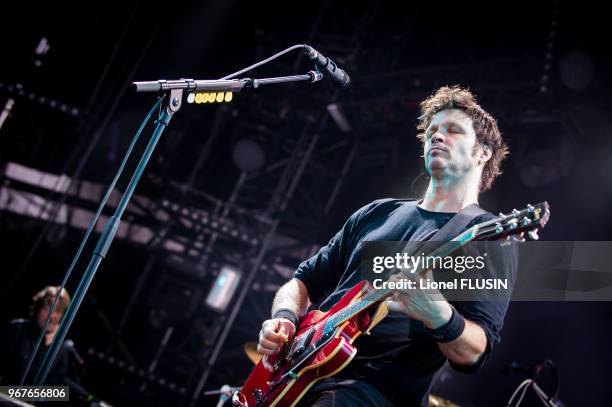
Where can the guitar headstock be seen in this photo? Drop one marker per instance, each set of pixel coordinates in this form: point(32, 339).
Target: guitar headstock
point(518, 222)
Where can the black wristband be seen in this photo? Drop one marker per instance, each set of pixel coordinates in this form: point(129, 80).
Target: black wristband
point(287, 314)
point(449, 331)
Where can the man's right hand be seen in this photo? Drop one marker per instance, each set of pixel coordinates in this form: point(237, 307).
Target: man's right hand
point(274, 335)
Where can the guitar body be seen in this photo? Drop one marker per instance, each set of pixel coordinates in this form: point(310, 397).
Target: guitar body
point(296, 372)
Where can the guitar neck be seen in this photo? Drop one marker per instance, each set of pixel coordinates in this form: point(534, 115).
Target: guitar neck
point(378, 295)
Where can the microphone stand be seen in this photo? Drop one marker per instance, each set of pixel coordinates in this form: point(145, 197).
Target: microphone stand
point(225, 393)
point(171, 104)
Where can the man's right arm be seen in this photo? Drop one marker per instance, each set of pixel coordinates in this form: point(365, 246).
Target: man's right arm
point(292, 297)
point(312, 279)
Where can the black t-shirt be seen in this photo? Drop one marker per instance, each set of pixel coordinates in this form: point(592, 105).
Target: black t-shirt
point(399, 357)
point(17, 341)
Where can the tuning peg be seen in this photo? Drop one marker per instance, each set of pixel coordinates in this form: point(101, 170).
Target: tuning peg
point(517, 238)
point(526, 221)
point(533, 234)
point(515, 212)
point(530, 207)
point(498, 228)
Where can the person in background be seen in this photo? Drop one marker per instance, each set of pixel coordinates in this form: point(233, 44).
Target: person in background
point(18, 339)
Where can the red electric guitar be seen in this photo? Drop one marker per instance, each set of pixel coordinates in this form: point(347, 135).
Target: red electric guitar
point(323, 344)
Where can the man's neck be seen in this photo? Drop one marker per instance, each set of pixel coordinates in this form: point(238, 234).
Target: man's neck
point(449, 195)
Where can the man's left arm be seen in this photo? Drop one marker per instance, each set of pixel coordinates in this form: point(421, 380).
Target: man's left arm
point(437, 314)
point(466, 332)
point(471, 343)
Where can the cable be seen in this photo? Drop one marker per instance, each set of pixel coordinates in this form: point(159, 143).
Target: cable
point(265, 61)
point(520, 400)
point(523, 386)
point(90, 228)
point(531, 382)
point(548, 402)
point(556, 380)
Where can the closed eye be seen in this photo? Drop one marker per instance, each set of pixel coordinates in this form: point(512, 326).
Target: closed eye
point(455, 129)
point(431, 130)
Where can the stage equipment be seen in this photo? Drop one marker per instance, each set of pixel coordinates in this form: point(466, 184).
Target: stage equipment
point(169, 102)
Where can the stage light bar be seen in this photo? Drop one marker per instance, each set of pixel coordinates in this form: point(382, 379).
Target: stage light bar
point(210, 97)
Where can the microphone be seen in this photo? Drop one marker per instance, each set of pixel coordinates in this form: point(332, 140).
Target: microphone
point(70, 346)
point(338, 77)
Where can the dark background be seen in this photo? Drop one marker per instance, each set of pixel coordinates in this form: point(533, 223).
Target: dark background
point(541, 68)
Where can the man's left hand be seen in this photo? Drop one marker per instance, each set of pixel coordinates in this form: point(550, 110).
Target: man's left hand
point(428, 306)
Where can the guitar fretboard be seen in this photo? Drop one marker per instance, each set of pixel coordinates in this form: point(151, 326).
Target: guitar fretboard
point(378, 295)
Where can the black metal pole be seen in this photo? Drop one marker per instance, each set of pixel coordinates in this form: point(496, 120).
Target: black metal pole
point(171, 105)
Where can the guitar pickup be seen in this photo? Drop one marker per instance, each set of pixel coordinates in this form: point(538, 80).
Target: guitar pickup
point(304, 345)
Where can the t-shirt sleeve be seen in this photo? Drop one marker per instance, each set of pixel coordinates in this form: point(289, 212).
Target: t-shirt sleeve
point(489, 314)
point(322, 272)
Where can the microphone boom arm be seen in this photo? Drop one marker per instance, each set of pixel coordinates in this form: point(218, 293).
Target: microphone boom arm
point(220, 85)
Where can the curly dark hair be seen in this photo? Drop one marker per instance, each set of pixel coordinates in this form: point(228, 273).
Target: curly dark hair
point(485, 126)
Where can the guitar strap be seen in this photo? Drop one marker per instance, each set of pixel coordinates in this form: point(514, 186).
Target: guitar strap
point(448, 231)
point(458, 223)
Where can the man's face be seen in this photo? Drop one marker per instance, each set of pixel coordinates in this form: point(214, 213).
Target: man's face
point(449, 144)
point(41, 317)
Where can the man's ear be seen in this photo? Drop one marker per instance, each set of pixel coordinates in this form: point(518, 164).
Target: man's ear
point(485, 153)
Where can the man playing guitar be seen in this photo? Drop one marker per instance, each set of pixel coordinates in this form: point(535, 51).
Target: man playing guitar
point(463, 151)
